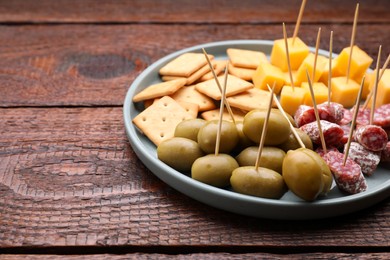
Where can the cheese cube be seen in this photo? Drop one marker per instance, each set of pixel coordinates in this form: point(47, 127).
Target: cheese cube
point(308, 64)
point(265, 74)
point(320, 93)
point(287, 77)
point(298, 53)
point(368, 83)
point(291, 99)
point(344, 93)
point(383, 92)
point(360, 62)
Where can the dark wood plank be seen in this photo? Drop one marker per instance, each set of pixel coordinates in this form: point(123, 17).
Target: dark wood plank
point(171, 11)
point(68, 177)
point(87, 65)
point(212, 256)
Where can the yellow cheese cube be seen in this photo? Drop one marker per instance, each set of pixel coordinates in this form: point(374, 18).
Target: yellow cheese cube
point(308, 64)
point(344, 93)
point(291, 99)
point(320, 93)
point(268, 74)
point(383, 92)
point(360, 62)
point(287, 77)
point(298, 53)
point(368, 83)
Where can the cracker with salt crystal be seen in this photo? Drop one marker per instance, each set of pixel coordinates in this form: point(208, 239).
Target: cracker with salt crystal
point(184, 65)
point(219, 67)
point(159, 90)
point(193, 77)
point(190, 94)
point(158, 121)
point(246, 58)
point(214, 115)
point(242, 73)
point(234, 86)
point(251, 99)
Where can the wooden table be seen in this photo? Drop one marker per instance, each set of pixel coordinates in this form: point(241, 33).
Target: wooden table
point(71, 186)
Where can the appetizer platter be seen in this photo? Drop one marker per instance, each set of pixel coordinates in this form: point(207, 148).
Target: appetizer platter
point(272, 129)
point(288, 206)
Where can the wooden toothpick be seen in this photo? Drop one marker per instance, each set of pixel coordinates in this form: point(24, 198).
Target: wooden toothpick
point(375, 86)
point(221, 108)
point(265, 127)
point(353, 122)
point(293, 130)
point(323, 144)
point(298, 23)
point(288, 56)
point(352, 40)
point(316, 52)
point(229, 109)
point(330, 67)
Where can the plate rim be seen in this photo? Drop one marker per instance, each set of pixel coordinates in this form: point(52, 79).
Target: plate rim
point(189, 185)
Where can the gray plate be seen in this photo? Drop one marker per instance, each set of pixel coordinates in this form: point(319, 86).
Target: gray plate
point(289, 206)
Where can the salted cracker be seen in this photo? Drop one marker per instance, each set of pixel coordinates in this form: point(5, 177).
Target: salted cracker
point(219, 67)
point(184, 65)
point(234, 86)
point(190, 94)
point(242, 73)
point(159, 90)
point(159, 120)
point(193, 77)
point(214, 115)
point(246, 58)
point(253, 98)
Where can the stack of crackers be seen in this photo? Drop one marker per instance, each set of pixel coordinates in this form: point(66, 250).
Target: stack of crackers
point(189, 90)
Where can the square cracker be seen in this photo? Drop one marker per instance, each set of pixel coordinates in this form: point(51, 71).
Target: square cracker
point(246, 58)
point(242, 73)
point(193, 77)
point(219, 66)
point(159, 90)
point(234, 86)
point(251, 99)
point(190, 94)
point(214, 115)
point(158, 121)
point(184, 65)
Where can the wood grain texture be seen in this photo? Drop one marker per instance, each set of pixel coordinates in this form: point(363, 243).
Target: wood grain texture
point(187, 11)
point(81, 65)
point(211, 256)
point(68, 177)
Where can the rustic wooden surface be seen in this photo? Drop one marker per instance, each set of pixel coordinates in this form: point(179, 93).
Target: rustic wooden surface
point(71, 185)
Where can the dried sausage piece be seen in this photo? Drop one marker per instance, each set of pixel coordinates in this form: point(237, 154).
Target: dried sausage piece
point(304, 115)
point(385, 155)
point(347, 117)
point(363, 116)
point(368, 160)
point(382, 116)
point(348, 177)
point(335, 111)
point(372, 137)
point(333, 133)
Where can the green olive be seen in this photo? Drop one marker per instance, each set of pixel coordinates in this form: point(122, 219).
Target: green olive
point(303, 174)
point(271, 157)
point(179, 153)
point(292, 143)
point(290, 118)
point(278, 127)
point(243, 140)
point(207, 136)
point(327, 176)
point(214, 170)
point(260, 182)
point(189, 128)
